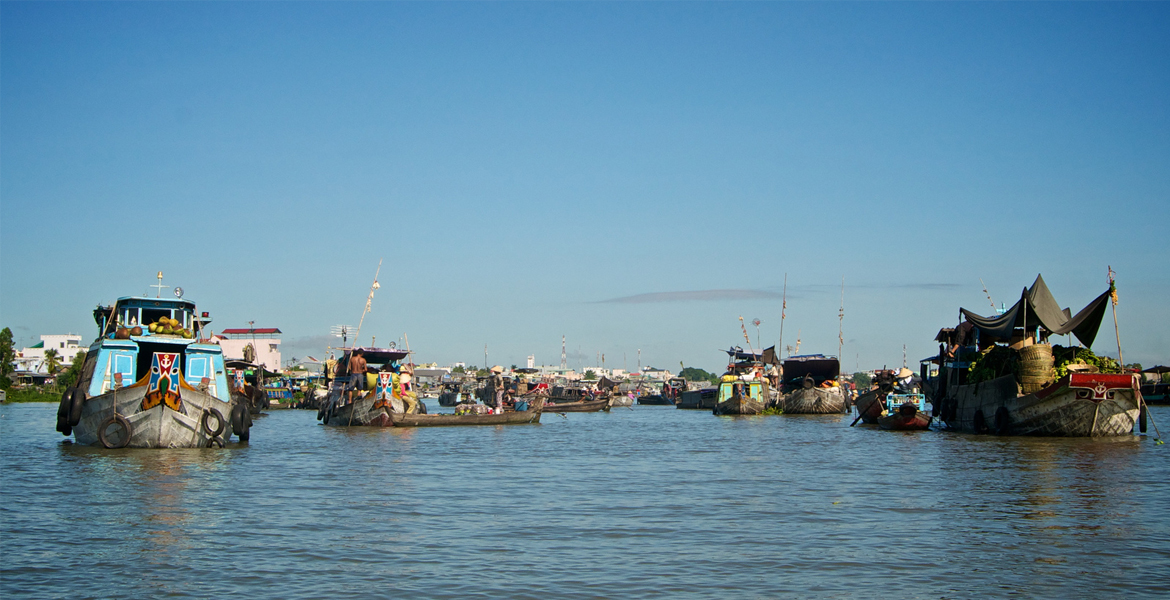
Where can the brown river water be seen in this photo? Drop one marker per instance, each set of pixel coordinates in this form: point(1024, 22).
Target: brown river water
point(642, 502)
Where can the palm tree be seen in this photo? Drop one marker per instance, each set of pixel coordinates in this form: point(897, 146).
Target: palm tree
point(52, 361)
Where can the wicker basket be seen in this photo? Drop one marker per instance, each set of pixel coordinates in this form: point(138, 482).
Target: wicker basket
point(1036, 367)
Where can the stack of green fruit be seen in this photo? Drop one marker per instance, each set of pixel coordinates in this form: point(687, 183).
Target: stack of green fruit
point(168, 326)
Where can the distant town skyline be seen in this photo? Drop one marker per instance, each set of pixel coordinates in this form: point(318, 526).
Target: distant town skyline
point(627, 175)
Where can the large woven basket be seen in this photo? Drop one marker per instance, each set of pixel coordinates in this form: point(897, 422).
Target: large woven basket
point(1036, 367)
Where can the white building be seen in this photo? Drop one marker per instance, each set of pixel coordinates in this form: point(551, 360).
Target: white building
point(265, 344)
point(32, 360)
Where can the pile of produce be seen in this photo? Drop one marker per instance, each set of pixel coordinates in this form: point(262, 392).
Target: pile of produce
point(167, 326)
point(998, 361)
point(1075, 355)
point(994, 362)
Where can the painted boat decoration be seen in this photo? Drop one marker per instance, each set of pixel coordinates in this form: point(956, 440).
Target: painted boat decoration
point(152, 380)
point(809, 386)
point(1034, 400)
point(368, 399)
point(907, 412)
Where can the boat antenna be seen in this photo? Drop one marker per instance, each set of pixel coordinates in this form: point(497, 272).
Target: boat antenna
point(159, 286)
point(369, 302)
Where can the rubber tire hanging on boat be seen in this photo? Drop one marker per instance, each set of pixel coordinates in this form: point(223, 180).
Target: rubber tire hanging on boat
point(979, 422)
point(1003, 421)
point(63, 412)
point(215, 440)
point(219, 422)
point(1141, 418)
point(76, 403)
point(241, 421)
point(120, 421)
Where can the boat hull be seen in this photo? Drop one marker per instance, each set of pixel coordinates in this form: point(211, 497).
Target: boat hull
point(364, 412)
point(157, 427)
point(1078, 405)
point(905, 418)
point(738, 406)
point(509, 418)
point(870, 405)
point(655, 400)
point(814, 401)
point(702, 399)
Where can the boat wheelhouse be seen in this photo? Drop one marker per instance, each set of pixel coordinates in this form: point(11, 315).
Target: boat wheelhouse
point(151, 379)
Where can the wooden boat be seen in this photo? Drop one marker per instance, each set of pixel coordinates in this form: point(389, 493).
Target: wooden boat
point(700, 399)
point(741, 398)
point(583, 406)
point(909, 413)
point(151, 380)
point(810, 386)
point(455, 393)
point(247, 385)
point(871, 405)
point(1035, 401)
point(507, 418)
point(371, 407)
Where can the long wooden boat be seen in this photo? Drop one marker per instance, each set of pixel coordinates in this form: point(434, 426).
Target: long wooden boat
point(810, 386)
point(506, 418)
point(150, 380)
point(1034, 402)
point(247, 385)
point(586, 406)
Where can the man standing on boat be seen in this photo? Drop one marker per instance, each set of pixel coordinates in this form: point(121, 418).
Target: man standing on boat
point(357, 372)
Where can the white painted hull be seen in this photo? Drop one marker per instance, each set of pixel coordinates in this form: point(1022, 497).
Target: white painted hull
point(158, 427)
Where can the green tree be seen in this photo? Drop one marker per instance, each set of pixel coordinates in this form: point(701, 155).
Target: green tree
point(52, 361)
point(589, 374)
point(73, 374)
point(7, 355)
point(695, 374)
point(1136, 366)
point(459, 369)
point(862, 380)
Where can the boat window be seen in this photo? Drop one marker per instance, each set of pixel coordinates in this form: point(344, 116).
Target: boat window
point(152, 315)
point(129, 316)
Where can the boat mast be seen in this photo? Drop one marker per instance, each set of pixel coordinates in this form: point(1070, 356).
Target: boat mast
point(783, 307)
point(369, 301)
point(840, 328)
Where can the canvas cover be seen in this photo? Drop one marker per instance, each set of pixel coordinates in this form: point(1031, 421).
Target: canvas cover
point(1037, 308)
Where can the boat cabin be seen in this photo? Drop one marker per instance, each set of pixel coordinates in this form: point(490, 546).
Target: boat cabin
point(756, 390)
point(818, 368)
point(135, 328)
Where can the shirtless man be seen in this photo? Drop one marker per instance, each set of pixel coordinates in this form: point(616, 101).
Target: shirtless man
point(357, 372)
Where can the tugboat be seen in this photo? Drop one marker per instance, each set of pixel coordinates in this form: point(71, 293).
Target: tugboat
point(152, 379)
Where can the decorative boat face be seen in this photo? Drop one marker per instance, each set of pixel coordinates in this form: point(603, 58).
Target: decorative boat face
point(152, 386)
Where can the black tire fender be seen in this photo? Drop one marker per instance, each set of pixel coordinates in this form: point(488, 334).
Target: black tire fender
point(76, 403)
point(215, 440)
point(219, 422)
point(123, 424)
point(1003, 421)
point(1141, 419)
point(241, 422)
point(63, 412)
point(979, 422)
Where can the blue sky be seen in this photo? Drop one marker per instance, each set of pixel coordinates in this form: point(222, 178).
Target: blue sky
point(633, 176)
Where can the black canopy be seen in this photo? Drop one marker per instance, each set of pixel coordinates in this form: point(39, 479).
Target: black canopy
point(1037, 308)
